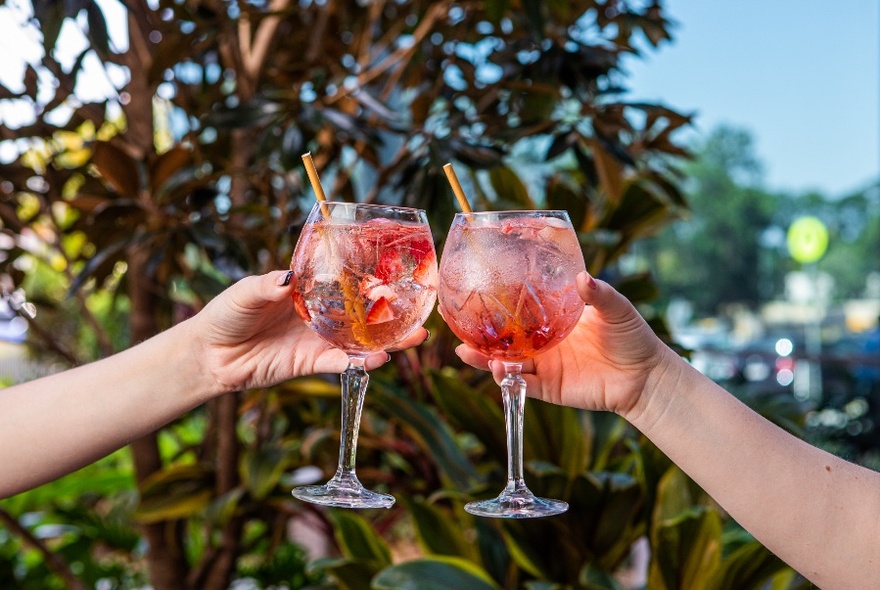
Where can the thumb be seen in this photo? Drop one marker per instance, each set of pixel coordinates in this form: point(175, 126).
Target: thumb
point(608, 303)
point(273, 286)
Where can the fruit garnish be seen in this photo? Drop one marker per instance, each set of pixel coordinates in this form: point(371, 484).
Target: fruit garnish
point(299, 304)
point(390, 266)
point(380, 311)
point(421, 249)
point(381, 291)
point(424, 273)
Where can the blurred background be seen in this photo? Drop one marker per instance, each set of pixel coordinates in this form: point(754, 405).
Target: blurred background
point(721, 164)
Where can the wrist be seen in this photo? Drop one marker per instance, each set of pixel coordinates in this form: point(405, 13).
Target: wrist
point(191, 350)
point(660, 385)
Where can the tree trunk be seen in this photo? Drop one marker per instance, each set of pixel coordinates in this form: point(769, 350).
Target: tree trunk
point(165, 556)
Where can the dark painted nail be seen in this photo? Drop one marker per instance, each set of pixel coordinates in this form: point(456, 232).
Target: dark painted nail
point(287, 278)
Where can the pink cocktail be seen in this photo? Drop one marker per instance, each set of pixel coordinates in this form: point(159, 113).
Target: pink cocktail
point(366, 279)
point(507, 288)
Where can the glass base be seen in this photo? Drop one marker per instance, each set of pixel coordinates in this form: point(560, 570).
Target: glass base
point(343, 496)
point(522, 504)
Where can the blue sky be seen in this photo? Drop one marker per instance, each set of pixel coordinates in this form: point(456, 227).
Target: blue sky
point(803, 76)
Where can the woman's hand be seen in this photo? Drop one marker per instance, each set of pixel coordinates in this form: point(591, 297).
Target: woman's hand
point(604, 364)
point(250, 336)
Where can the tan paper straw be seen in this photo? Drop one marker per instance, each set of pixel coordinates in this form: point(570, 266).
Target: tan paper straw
point(456, 188)
point(316, 182)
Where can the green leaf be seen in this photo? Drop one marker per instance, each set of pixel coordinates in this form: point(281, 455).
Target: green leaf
point(524, 553)
point(750, 566)
point(223, 507)
point(621, 501)
point(179, 491)
point(350, 574)
point(594, 578)
point(261, 469)
point(434, 434)
point(358, 540)
point(675, 495)
point(439, 533)
point(509, 188)
point(434, 573)
point(557, 434)
point(686, 550)
point(471, 411)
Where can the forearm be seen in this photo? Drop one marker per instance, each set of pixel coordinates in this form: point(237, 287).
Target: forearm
point(817, 512)
point(59, 423)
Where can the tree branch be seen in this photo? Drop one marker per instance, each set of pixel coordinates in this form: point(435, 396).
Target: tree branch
point(53, 560)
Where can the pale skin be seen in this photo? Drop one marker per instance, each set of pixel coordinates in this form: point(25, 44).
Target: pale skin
point(247, 337)
point(817, 512)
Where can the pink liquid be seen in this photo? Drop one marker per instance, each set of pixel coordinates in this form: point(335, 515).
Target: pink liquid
point(364, 287)
point(508, 288)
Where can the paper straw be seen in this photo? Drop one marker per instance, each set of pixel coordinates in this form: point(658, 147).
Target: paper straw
point(456, 188)
point(316, 182)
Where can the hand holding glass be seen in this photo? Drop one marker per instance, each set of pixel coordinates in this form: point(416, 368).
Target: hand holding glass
point(366, 280)
point(507, 288)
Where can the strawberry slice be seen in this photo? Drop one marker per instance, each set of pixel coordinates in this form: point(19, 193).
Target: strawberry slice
point(390, 266)
point(421, 248)
point(424, 274)
point(380, 312)
point(299, 304)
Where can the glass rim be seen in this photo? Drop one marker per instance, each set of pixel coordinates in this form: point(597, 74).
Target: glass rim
point(401, 208)
point(515, 212)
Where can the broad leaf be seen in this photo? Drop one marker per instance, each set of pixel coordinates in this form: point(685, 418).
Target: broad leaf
point(425, 425)
point(686, 550)
point(261, 469)
point(471, 411)
point(437, 530)
point(178, 491)
point(358, 540)
point(434, 573)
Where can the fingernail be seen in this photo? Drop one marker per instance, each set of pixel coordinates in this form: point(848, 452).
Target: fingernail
point(285, 279)
point(427, 334)
point(388, 357)
point(591, 282)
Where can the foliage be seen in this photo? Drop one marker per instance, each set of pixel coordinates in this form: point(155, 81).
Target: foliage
point(730, 248)
point(189, 178)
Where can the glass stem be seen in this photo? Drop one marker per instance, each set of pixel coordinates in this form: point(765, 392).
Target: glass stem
point(513, 390)
point(354, 386)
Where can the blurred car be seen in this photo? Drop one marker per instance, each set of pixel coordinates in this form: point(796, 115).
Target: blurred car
point(769, 364)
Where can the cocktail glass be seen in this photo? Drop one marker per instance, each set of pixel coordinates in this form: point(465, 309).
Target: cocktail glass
point(366, 279)
point(507, 288)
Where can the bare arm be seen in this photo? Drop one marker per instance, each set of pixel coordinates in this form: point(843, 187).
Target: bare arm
point(817, 512)
point(246, 337)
